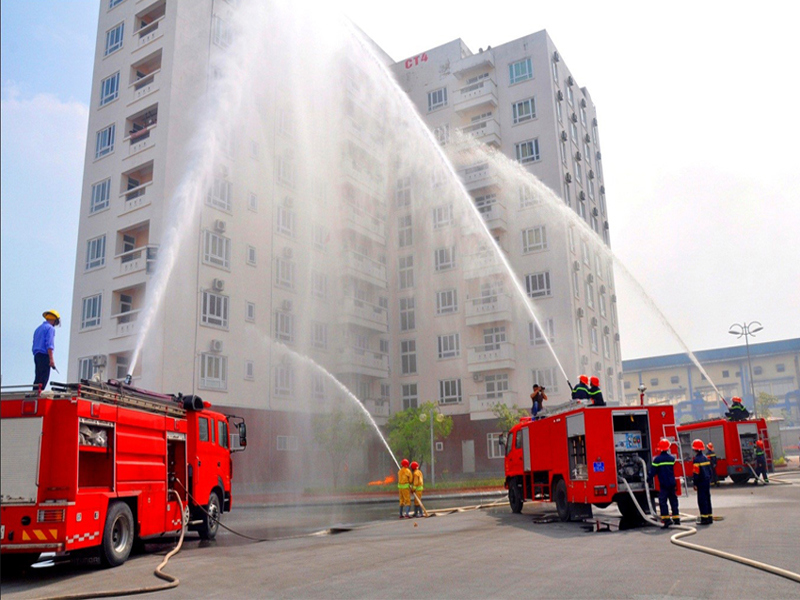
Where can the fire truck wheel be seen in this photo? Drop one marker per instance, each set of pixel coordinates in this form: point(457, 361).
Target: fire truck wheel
point(117, 535)
point(208, 530)
point(740, 478)
point(514, 497)
point(562, 505)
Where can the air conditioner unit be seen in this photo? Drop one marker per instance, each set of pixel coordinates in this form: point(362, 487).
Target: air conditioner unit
point(218, 285)
point(220, 226)
point(580, 313)
point(599, 155)
point(594, 121)
point(594, 321)
point(598, 367)
point(590, 174)
point(578, 155)
point(556, 57)
point(576, 265)
point(477, 377)
point(602, 289)
point(613, 297)
point(99, 360)
point(583, 102)
point(564, 136)
point(560, 95)
point(590, 278)
point(606, 329)
point(609, 371)
point(286, 306)
point(288, 252)
point(216, 345)
point(584, 360)
point(582, 196)
point(570, 80)
point(616, 337)
point(587, 138)
point(602, 189)
point(568, 178)
point(574, 118)
point(594, 211)
point(288, 202)
point(605, 224)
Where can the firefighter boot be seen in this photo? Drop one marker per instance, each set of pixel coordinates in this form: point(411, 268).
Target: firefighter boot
point(676, 520)
point(401, 511)
point(665, 522)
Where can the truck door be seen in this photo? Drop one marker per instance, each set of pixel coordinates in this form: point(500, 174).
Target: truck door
point(21, 442)
point(176, 478)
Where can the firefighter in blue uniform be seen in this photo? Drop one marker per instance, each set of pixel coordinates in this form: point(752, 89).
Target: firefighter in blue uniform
point(737, 411)
point(581, 391)
point(701, 481)
point(761, 462)
point(595, 395)
point(712, 457)
point(663, 467)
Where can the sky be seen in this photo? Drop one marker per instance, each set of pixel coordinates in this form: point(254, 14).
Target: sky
point(697, 122)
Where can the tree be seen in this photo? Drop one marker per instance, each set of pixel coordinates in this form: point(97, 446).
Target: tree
point(411, 438)
point(764, 402)
point(339, 433)
point(507, 416)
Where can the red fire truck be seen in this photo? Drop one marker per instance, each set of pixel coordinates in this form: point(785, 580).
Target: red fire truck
point(98, 466)
point(734, 444)
point(578, 457)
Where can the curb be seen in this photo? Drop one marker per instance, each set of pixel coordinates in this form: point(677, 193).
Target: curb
point(330, 501)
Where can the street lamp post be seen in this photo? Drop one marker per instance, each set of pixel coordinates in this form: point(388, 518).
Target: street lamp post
point(430, 416)
point(747, 330)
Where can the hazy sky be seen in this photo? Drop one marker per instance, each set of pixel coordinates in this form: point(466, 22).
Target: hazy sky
point(698, 126)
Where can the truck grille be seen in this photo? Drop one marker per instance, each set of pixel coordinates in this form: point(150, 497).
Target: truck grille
point(50, 515)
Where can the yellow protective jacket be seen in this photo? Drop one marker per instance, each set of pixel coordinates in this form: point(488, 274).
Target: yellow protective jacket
point(416, 483)
point(404, 478)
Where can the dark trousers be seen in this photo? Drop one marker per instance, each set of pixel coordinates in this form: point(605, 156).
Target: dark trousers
point(704, 499)
point(42, 362)
point(714, 476)
point(665, 494)
point(761, 467)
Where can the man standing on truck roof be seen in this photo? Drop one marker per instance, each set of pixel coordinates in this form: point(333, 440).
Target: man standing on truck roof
point(595, 395)
point(761, 463)
point(581, 391)
point(701, 480)
point(663, 467)
point(43, 345)
point(404, 479)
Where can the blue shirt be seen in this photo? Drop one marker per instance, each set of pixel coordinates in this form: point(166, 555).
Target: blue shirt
point(44, 338)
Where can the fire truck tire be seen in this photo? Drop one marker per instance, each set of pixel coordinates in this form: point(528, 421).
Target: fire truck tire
point(14, 563)
point(562, 504)
point(117, 535)
point(740, 477)
point(208, 530)
point(514, 497)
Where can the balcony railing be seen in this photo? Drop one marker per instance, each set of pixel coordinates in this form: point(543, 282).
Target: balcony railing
point(366, 268)
point(484, 403)
point(377, 408)
point(372, 227)
point(487, 357)
point(141, 139)
point(135, 198)
point(136, 260)
point(478, 176)
point(487, 131)
point(482, 264)
point(145, 85)
point(127, 323)
point(364, 362)
point(365, 314)
point(149, 32)
point(481, 93)
point(487, 309)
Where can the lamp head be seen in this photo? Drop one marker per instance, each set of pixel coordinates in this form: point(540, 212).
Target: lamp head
point(642, 388)
point(759, 328)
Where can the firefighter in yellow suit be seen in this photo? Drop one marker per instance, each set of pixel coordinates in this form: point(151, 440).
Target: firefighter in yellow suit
point(404, 478)
point(416, 489)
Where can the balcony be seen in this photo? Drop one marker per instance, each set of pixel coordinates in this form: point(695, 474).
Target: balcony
point(148, 22)
point(137, 260)
point(365, 268)
point(126, 323)
point(364, 314)
point(480, 95)
point(490, 357)
point(488, 309)
point(363, 362)
point(135, 198)
point(472, 64)
point(379, 409)
point(483, 264)
point(494, 215)
point(145, 86)
point(366, 225)
point(480, 405)
point(479, 176)
point(487, 131)
point(141, 139)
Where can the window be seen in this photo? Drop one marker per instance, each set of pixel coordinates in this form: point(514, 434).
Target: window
point(101, 194)
point(222, 32)
point(284, 380)
point(285, 221)
point(493, 447)
point(284, 327)
point(407, 320)
point(674, 379)
point(587, 154)
point(254, 150)
point(627, 385)
point(287, 443)
point(555, 72)
point(537, 338)
point(104, 143)
point(90, 315)
point(437, 99)
point(405, 234)
point(251, 255)
point(406, 272)
point(594, 342)
point(590, 294)
point(528, 152)
point(496, 384)
point(524, 110)
point(114, 38)
point(285, 122)
point(318, 386)
point(319, 335)
point(527, 196)
point(442, 134)
point(780, 368)
point(538, 284)
point(654, 382)
point(757, 370)
point(446, 302)
point(202, 429)
point(579, 330)
point(113, 3)
point(85, 368)
point(285, 170)
point(583, 119)
point(319, 285)
point(445, 258)
point(442, 216)
point(219, 196)
point(573, 132)
point(449, 391)
point(215, 310)
point(449, 345)
point(493, 337)
point(123, 364)
point(409, 393)
point(284, 273)
point(250, 311)
point(321, 237)
point(602, 302)
point(578, 172)
point(214, 371)
point(216, 250)
point(546, 378)
point(384, 346)
point(109, 89)
point(576, 289)
point(606, 346)
point(585, 254)
point(559, 111)
point(534, 239)
point(563, 147)
point(408, 357)
point(402, 192)
point(521, 70)
point(570, 96)
point(252, 202)
point(96, 252)
point(222, 434)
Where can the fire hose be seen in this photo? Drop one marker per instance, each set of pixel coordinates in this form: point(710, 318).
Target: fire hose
point(688, 530)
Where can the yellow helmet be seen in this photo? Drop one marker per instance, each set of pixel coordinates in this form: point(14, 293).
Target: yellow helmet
point(53, 313)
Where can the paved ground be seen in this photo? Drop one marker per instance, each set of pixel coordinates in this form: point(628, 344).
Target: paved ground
point(489, 553)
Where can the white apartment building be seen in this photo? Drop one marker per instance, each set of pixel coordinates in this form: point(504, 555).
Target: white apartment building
point(263, 263)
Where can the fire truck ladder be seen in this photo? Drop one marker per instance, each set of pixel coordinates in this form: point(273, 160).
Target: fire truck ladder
point(117, 394)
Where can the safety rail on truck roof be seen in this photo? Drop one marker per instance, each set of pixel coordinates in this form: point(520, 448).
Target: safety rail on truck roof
point(562, 408)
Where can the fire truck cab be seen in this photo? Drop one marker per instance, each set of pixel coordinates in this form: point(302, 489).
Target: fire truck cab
point(582, 456)
point(734, 444)
point(94, 465)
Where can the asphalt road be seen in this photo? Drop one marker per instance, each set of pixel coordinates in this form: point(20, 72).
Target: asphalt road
point(488, 553)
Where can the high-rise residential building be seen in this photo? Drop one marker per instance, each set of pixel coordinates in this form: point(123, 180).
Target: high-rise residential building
point(373, 288)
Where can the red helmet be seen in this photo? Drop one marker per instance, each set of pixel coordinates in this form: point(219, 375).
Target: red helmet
point(404, 462)
point(760, 444)
point(736, 399)
point(415, 465)
point(698, 445)
point(663, 444)
point(583, 379)
point(595, 381)
point(710, 446)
